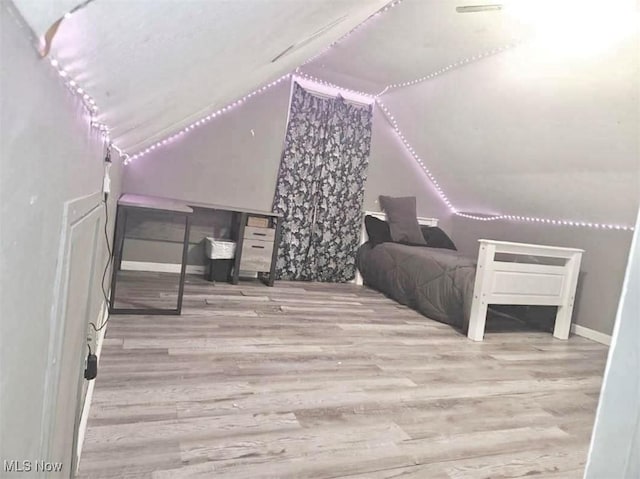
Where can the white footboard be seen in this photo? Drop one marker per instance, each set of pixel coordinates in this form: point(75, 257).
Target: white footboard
point(506, 282)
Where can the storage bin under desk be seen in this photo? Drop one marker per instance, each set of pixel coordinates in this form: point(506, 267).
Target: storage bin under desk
point(259, 229)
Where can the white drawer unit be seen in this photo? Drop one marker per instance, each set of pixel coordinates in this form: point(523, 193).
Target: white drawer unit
point(258, 237)
point(257, 249)
point(260, 234)
point(256, 255)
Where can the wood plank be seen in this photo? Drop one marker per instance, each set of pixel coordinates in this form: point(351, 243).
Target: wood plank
point(312, 380)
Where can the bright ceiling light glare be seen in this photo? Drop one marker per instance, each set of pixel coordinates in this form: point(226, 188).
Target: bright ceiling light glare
point(577, 27)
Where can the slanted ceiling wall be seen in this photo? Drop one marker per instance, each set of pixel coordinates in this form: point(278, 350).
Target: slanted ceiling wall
point(154, 67)
point(548, 128)
point(533, 133)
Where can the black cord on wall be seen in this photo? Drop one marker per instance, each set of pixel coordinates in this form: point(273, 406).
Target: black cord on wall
point(106, 238)
point(107, 159)
point(109, 260)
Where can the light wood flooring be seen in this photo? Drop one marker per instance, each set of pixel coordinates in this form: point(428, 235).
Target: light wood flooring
point(311, 380)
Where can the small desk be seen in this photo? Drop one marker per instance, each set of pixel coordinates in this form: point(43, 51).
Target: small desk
point(261, 260)
point(131, 202)
point(240, 234)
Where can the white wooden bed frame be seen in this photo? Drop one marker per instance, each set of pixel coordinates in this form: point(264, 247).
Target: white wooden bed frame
point(507, 282)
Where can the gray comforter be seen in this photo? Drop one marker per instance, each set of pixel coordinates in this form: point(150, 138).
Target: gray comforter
point(436, 282)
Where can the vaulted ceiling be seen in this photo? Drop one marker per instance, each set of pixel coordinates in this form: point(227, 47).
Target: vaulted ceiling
point(548, 127)
point(538, 114)
point(156, 66)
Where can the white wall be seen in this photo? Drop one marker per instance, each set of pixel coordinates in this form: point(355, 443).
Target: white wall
point(393, 172)
point(234, 161)
point(48, 156)
point(533, 132)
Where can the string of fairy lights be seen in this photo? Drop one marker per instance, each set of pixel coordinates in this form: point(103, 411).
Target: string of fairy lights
point(530, 219)
point(383, 10)
point(451, 66)
point(207, 118)
point(87, 101)
point(91, 107)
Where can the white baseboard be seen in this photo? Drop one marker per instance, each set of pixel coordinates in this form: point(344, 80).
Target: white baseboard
point(160, 267)
point(591, 334)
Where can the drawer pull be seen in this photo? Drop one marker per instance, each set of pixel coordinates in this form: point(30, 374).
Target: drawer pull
point(259, 247)
point(259, 234)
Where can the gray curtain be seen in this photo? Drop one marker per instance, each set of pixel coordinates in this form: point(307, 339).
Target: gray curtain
point(320, 187)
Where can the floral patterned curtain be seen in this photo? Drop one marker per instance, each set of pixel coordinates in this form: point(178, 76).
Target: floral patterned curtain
point(320, 187)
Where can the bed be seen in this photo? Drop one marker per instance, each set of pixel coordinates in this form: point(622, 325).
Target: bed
point(446, 286)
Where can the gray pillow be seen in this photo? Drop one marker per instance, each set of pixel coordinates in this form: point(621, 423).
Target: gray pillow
point(403, 219)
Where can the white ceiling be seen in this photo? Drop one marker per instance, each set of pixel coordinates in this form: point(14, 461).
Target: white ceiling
point(538, 129)
point(155, 66)
point(548, 128)
point(42, 14)
point(416, 38)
